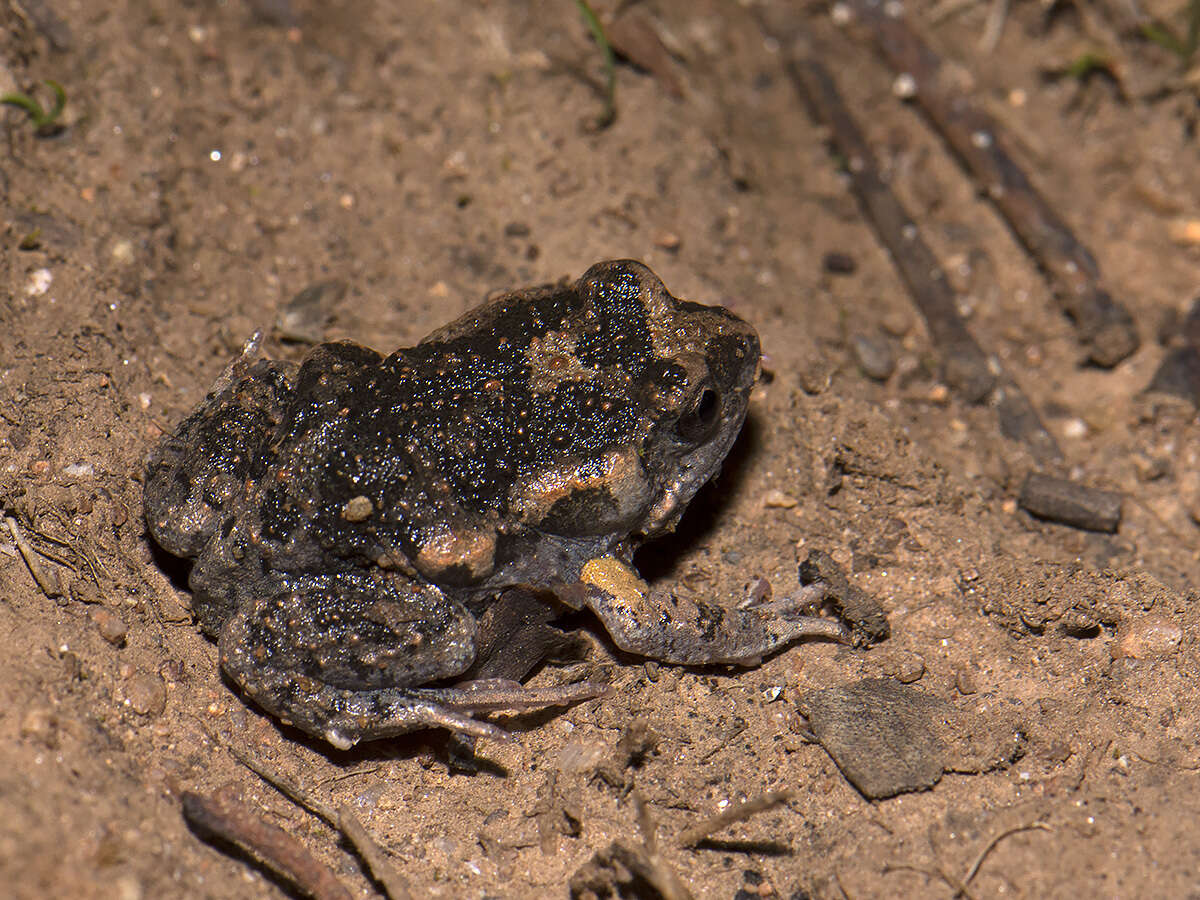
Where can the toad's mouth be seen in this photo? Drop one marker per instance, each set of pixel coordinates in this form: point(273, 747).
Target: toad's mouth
point(692, 471)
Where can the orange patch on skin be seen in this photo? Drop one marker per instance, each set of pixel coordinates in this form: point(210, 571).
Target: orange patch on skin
point(552, 361)
point(473, 550)
point(533, 499)
point(616, 579)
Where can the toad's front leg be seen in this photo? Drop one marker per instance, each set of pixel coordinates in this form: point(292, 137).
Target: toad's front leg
point(346, 657)
point(657, 624)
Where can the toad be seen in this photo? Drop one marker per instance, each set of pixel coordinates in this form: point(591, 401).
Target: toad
point(353, 517)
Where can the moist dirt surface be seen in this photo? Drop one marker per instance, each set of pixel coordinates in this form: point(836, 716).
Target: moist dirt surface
point(216, 159)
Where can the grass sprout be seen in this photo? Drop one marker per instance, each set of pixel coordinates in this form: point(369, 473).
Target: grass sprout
point(45, 121)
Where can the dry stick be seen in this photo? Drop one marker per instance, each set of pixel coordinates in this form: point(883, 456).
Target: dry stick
point(46, 584)
point(341, 819)
point(655, 870)
point(991, 845)
point(965, 366)
point(961, 886)
point(689, 837)
point(956, 884)
point(234, 823)
point(1103, 325)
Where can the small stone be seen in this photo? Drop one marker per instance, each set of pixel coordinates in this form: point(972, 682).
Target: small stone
point(122, 252)
point(580, 755)
point(964, 680)
point(815, 375)
point(1146, 637)
point(1184, 231)
point(358, 509)
point(303, 319)
point(905, 667)
point(146, 694)
point(111, 626)
point(838, 263)
point(1075, 428)
point(778, 500)
point(668, 240)
point(1150, 468)
point(881, 735)
point(85, 591)
point(758, 591)
point(897, 323)
point(874, 356)
point(910, 669)
point(39, 282)
point(127, 887)
point(1069, 503)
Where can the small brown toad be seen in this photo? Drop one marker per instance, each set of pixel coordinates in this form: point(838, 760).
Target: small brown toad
point(352, 517)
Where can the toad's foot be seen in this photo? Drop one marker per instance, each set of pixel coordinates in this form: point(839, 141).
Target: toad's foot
point(345, 717)
point(369, 715)
point(657, 624)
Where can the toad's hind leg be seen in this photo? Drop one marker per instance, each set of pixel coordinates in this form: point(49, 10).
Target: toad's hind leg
point(659, 625)
point(344, 658)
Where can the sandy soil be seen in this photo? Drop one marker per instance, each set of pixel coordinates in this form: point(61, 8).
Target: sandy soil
point(214, 164)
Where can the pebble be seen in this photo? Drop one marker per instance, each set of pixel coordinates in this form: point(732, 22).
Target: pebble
point(904, 666)
point(146, 694)
point(882, 736)
point(837, 263)
point(874, 356)
point(1070, 503)
point(303, 318)
point(668, 240)
point(1146, 637)
point(580, 755)
point(778, 500)
point(111, 626)
point(896, 322)
point(1150, 468)
point(39, 282)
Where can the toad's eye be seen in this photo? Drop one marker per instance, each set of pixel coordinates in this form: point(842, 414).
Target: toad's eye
point(697, 423)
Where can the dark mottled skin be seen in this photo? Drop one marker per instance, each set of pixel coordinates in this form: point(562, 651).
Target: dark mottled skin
point(349, 518)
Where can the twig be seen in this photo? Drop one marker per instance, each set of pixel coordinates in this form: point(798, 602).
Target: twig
point(341, 819)
point(45, 583)
point(965, 366)
point(394, 885)
point(646, 824)
point(233, 822)
point(689, 837)
point(1103, 325)
point(641, 861)
point(961, 886)
point(991, 845)
point(960, 889)
point(994, 25)
point(723, 742)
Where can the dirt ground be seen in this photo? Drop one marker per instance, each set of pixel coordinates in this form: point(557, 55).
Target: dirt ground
point(218, 158)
